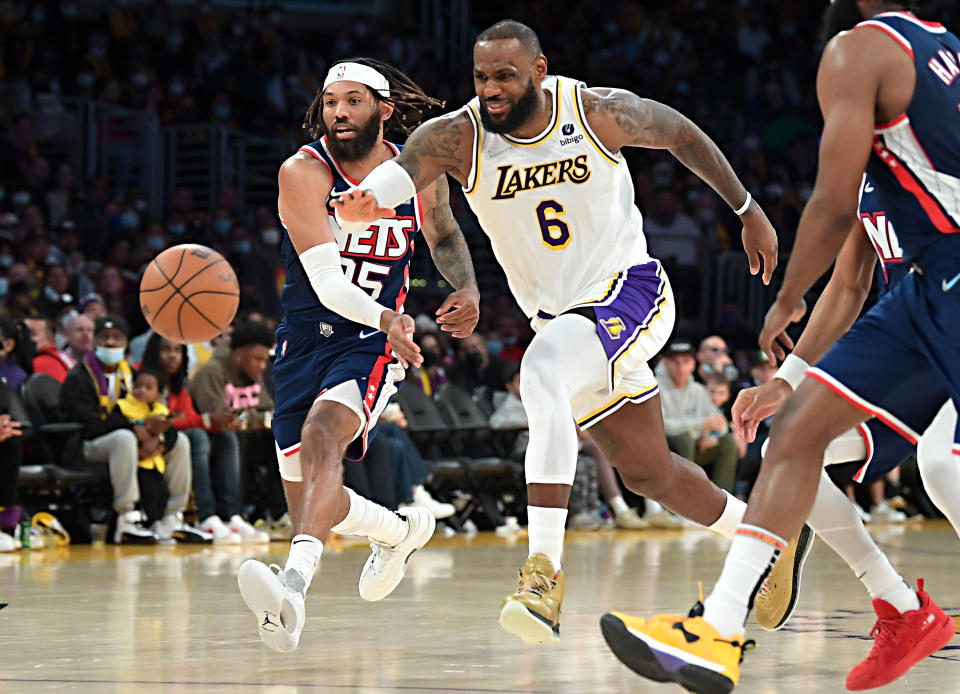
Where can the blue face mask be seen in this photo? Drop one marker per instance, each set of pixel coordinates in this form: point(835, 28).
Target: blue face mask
point(177, 229)
point(494, 346)
point(155, 243)
point(242, 247)
point(129, 220)
point(4, 285)
point(6, 260)
point(109, 356)
point(222, 226)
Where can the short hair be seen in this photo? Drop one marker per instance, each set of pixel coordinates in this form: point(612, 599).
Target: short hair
point(512, 29)
point(717, 379)
point(151, 371)
point(250, 333)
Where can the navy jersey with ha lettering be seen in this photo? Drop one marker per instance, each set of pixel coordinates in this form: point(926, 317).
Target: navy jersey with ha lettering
point(376, 259)
point(915, 163)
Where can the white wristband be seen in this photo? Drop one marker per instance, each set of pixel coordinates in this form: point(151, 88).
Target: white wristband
point(390, 184)
point(745, 206)
point(322, 267)
point(792, 370)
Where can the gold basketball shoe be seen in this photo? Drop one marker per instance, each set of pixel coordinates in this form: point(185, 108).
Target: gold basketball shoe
point(777, 598)
point(533, 612)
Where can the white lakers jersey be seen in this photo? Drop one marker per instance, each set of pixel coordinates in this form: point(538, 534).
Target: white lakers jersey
point(558, 208)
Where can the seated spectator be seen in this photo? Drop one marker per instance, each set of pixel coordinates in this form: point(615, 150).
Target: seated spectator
point(48, 360)
point(11, 457)
point(232, 380)
point(475, 367)
point(213, 440)
point(89, 396)
point(16, 353)
point(695, 428)
point(718, 388)
point(508, 412)
point(430, 375)
point(55, 294)
point(93, 306)
point(79, 335)
point(138, 406)
point(409, 471)
point(713, 356)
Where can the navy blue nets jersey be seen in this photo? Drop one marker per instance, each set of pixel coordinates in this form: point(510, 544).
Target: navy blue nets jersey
point(882, 236)
point(915, 163)
point(376, 259)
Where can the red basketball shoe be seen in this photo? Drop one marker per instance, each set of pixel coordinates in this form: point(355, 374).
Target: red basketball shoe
point(901, 641)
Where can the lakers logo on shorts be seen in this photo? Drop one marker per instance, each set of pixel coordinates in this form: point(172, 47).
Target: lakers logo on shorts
point(614, 327)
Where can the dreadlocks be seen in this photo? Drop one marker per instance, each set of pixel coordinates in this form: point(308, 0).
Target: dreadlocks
point(408, 98)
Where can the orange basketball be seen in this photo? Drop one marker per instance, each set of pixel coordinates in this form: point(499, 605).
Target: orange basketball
point(189, 293)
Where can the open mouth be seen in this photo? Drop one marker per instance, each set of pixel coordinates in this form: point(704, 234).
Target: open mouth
point(496, 107)
point(344, 132)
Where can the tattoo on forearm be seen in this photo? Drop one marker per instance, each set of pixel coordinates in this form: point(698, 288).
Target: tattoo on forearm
point(451, 255)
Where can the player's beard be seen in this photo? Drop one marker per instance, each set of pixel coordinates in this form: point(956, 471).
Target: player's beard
point(363, 140)
point(519, 114)
point(840, 15)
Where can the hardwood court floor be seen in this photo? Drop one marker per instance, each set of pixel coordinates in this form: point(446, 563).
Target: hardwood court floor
point(170, 619)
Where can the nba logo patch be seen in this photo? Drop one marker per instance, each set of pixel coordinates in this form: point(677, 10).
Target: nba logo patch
point(614, 326)
point(283, 349)
point(341, 71)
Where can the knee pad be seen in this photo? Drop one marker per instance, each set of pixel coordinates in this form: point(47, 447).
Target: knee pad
point(289, 463)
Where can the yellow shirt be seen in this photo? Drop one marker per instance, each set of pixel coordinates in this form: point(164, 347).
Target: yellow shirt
point(137, 411)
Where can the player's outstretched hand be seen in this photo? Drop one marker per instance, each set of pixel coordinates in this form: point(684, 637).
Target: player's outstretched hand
point(774, 340)
point(399, 327)
point(459, 313)
point(753, 405)
point(759, 239)
point(360, 206)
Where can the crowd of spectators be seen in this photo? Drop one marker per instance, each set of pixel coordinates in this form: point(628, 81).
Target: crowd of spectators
point(72, 247)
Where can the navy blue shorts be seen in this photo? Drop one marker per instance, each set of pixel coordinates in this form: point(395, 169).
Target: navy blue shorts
point(901, 360)
point(313, 359)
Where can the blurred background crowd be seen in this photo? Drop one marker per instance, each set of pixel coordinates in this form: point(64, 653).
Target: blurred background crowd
point(129, 126)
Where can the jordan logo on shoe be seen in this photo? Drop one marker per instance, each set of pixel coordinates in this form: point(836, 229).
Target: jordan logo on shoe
point(267, 622)
point(691, 638)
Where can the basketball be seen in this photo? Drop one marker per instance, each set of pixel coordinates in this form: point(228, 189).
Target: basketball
point(189, 293)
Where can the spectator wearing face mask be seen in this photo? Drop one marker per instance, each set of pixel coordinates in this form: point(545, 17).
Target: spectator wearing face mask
point(55, 294)
point(476, 367)
point(430, 375)
point(713, 357)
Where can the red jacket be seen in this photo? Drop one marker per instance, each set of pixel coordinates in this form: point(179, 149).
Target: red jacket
point(52, 362)
point(182, 403)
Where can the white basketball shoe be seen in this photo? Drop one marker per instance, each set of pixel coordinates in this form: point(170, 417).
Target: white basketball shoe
point(277, 605)
point(386, 565)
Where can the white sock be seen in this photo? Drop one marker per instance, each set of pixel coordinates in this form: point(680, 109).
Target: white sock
point(731, 517)
point(364, 517)
point(835, 520)
point(545, 527)
point(651, 507)
point(304, 557)
point(752, 554)
point(619, 505)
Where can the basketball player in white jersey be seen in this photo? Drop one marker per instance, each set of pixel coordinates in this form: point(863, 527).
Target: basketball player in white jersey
point(539, 159)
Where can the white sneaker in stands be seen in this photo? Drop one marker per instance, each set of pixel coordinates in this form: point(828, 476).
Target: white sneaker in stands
point(217, 529)
point(439, 509)
point(246, 531)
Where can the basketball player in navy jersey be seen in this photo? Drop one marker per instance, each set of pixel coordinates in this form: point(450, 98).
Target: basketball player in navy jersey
point(889, 94)
point(344, 341)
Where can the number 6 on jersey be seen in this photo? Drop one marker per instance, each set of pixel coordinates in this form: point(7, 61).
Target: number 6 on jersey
point(555, 231)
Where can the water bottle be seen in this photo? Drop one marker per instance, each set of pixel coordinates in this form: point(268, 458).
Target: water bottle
point(25, 532)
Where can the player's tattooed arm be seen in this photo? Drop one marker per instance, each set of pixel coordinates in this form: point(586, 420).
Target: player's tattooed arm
point(622, 119)
point(460, 311)
point(441, 145)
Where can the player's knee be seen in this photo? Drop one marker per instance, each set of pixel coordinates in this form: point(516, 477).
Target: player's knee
point(323, 439)
point(540, 382)
point(934, 460)
point(642, 477)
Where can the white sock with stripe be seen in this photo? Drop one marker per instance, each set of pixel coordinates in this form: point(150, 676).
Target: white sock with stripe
point(752, 554)
point(302, 562)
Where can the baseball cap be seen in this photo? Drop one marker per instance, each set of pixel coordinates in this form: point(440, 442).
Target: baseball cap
point(108, 322)
point(679, 345)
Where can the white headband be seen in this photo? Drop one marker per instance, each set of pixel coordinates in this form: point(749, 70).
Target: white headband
point(355, 72)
